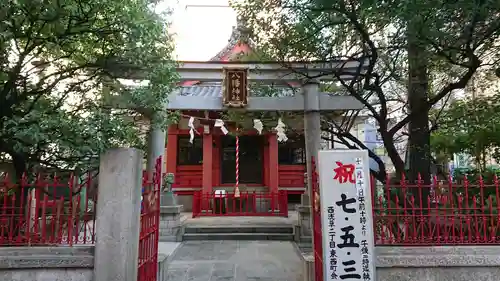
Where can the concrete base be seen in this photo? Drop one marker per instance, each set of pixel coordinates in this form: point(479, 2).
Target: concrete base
point(186, 201)
point(168, 198)
point(162, 268)
point(166, 250)
point(64, 263)
point(303, 228)
point(47, 263)
point(481, 263)
point(308, 267)
point(170, 224)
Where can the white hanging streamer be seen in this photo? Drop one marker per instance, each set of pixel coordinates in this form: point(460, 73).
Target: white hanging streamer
point(220, 124)
point(191, 129)
point(280, 131)
point(257, 125)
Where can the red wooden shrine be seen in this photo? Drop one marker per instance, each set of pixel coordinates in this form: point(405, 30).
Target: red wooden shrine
point(208, 164)
point(201, 166)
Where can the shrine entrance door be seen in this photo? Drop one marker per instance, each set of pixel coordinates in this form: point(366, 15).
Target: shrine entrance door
point(251, 163)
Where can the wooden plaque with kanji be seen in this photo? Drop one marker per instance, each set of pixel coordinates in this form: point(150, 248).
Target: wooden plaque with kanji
point(235, 92)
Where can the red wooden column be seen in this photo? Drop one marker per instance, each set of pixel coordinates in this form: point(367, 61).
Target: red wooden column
point(207, 162)
point(273, 163)
point(171, 161)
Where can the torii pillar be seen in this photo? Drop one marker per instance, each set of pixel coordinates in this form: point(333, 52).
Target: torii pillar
point(156, 147)
point(312, 136)
point(312, 131)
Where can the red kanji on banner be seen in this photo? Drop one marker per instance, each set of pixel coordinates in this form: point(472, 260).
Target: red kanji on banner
point(344, 173)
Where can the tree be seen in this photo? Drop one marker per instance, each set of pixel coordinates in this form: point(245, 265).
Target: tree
point(471, 126)
point(60, 105)
point(418, 53)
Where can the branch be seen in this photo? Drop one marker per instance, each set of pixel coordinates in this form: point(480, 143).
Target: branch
point(381, 175)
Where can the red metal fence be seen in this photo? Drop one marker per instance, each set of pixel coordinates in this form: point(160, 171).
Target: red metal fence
point(316, 224)
point(150, 225)
point(440, 213)
point(448, 212)
point(47, 210)
point(246, 204)
point(50, 210)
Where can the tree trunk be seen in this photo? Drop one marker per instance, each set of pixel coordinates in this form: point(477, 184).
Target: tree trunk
point(419, 160)
point(19, 163)
point(393, 153)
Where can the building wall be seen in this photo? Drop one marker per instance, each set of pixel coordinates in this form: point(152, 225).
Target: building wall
point(190, 177)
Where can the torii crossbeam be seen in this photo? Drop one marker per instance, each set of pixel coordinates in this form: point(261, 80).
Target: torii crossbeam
point(271, 72)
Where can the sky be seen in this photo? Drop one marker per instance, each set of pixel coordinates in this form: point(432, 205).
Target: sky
point(200, 32)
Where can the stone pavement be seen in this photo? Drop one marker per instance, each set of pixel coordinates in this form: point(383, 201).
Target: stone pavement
point(235, 261)
point(167, 248)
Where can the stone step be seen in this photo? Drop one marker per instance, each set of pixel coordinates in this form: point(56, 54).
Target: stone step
point(238, 229)
point(238, 236)
point(305, 247)
point(306, 239)
point(167, 238)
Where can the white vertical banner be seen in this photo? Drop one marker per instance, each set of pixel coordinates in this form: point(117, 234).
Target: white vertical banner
point(346, 215)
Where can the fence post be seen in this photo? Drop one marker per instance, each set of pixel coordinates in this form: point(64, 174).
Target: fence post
point(118, 215)
point(195, 204)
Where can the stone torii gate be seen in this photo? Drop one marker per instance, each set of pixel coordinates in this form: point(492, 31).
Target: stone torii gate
point(311, 102)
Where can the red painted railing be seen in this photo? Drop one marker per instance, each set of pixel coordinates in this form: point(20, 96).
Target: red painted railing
point(441, 213)
point(316, 225)
point(150, 225)
point(247, 204)
point(47, 210)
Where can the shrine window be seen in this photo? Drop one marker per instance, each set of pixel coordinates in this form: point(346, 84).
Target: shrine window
point(189, 153)
point(292, 152)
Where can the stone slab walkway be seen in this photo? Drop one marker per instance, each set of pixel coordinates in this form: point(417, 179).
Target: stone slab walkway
point(235, 261)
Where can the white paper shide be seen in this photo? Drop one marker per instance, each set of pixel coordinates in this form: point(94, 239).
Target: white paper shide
point(346, 218)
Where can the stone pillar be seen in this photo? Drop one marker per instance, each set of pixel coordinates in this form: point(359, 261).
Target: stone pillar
point(156, 148)
point(118, 215)
point(170, 224)
point(171, 157)
point(312, 135)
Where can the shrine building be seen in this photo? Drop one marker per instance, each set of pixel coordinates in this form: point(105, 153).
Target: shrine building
point(209, 162)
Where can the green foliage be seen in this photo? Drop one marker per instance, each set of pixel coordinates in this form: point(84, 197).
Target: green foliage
point(440, 45)
point(60, 103)
point(472, 126)
point(474, 175)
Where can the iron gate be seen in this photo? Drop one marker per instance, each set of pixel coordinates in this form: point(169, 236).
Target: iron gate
point(150, 225)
